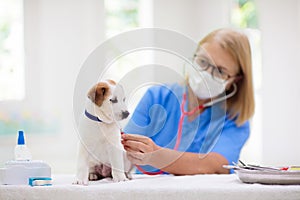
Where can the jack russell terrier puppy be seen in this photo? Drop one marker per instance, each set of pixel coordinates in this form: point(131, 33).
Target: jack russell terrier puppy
point(101, 153)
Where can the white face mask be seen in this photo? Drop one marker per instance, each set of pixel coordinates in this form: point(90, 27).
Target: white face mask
point(205, 86)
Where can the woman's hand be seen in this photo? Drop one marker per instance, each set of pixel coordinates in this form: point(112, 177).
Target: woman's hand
point(141, 150)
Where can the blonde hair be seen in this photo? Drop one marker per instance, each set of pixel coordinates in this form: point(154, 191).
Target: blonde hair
point(241, 105)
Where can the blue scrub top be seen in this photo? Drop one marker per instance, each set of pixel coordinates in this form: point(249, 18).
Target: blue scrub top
point(157, 116)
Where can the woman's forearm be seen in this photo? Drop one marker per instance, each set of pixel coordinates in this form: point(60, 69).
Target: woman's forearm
point(184, 163)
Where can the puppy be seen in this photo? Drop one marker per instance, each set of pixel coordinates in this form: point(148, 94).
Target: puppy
point(101, 153)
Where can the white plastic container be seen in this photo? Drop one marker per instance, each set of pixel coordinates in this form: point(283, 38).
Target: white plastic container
point(19, 172)
point(22, 152)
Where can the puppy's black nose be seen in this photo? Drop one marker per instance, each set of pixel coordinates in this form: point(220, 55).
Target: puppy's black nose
point(125, 114)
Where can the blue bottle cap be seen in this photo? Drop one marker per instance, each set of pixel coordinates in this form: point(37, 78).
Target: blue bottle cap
point(21, 140)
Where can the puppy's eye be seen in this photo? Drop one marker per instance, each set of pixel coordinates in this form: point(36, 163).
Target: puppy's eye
point(124, 100)
point(114, 100)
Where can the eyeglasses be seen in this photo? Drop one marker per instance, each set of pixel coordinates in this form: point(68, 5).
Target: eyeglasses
point(216, 71)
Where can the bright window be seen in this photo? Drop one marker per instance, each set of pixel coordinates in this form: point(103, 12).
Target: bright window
point(121, 15)
point(11, 50)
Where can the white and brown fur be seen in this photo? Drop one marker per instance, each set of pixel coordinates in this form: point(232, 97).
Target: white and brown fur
point(101, 153)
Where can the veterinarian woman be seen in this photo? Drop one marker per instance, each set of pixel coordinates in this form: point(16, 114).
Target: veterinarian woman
point(199, 127)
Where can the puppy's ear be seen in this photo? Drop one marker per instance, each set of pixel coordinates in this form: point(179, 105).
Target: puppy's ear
point(99, 93)
point(112, 82)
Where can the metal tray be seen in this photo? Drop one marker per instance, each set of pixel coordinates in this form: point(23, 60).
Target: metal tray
point(269, 177)
point(266, 175)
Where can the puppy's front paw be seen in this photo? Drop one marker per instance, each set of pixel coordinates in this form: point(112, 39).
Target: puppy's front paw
point(128, 175)
point(118, 177)
point(80, 182)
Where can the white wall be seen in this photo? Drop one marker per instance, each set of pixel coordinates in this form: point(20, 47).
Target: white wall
point(67, 31)
point(194, 18)
point(280, 25)
point(58, 37)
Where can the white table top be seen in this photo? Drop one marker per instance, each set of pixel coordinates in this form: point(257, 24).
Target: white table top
point(154, 187)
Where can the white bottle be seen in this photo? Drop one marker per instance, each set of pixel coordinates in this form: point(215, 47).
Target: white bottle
point(22, 153)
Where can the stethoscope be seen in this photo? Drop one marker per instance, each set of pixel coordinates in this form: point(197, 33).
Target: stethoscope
point(181, 119)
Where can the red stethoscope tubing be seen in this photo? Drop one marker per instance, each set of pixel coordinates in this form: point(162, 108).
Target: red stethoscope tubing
point(179, 132)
